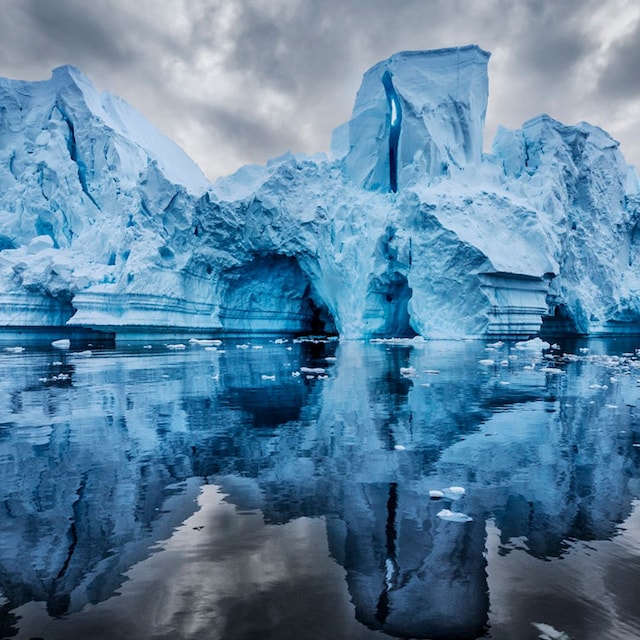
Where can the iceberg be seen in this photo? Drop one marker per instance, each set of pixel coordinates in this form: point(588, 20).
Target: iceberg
point(406, 229)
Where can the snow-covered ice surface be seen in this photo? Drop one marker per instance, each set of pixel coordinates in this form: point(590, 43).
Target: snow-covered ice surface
point(407, 228)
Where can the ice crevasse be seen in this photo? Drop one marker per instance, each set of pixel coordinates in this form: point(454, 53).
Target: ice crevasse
point(406, 228)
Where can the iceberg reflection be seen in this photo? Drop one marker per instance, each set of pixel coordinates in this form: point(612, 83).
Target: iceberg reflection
point(99, 465)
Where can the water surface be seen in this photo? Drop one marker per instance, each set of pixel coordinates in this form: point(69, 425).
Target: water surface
point(242, 493)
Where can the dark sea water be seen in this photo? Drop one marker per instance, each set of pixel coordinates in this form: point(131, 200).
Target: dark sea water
point(234, 494)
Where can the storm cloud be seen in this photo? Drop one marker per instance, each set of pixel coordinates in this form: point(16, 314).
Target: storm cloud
point(243, 81)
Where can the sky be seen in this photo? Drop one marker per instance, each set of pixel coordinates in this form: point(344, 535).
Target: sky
point(241, 81)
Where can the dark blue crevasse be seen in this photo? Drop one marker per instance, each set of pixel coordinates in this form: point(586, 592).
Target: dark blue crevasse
point(395, 121)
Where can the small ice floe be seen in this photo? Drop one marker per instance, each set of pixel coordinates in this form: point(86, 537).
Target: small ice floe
point(555, 346)
point(453, 516)
point(553, 371)
point(323, 377)
point(532, 345)
point(205, 342)
point(312, 370)
point(212, 349)
point(14, 349)
point(583, 350)
point(432, 372)
point(57, 363)
point(267, 377)
point(148, 346)
point(310, 376)
point(611, 406)
point(613, 380)
point(426, 384)
point(280, 341)
point(504, 363)
point(635, 444)
point(504, 383)
point(331, 358)
point(257, 346)
point(487, 362)
point(436, 494)
point(530, 367)
point(547, 632)
point(295, 374)
point(407, 372)
point(84, 354)
point(176, 347)
point(496, 345)
point(400, 447)
point(454, 493)
point(600, 387)
point(242, 346)
point(65, 343)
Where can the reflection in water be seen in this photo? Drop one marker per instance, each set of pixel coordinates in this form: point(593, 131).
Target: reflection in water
point(101, 457)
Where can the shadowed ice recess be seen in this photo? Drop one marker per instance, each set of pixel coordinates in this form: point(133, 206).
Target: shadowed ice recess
point(286, 489)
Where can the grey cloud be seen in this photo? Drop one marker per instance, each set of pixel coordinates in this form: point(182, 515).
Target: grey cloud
point(621, 75)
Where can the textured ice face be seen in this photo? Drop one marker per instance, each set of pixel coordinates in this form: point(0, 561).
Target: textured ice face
point(407, 229)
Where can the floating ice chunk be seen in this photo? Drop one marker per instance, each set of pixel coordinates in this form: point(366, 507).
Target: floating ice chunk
point(583, 350)
point(487, 362)
point(323, 377)
point(56, 363)
point(310, 377)
point(211, 349)
point(312, 370)
point(242, 346)
point(504, 383)
point(257, 346)
point(436, 494)
point(426, 384)
point(454, 493)
point(147, 346)
point(407, 371)
point(331, 358)
point(267, 377)
point(295, 374)
point(65, 343)
point(205, 342)
point(176, 347)
point(14, 349)
point(280, 341)
point(532, 345)
point(84, 354)
point(547, 632)
point(601, 387)
point(453, 516)
point(400, 447)
point(553, 370)
point(611, 406)
point(431, 372)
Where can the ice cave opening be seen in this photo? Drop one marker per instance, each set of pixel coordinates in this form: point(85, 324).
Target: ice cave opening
point(388, 307)
point(270, 295)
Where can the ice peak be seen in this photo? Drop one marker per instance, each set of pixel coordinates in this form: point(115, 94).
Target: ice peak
point(441, 98)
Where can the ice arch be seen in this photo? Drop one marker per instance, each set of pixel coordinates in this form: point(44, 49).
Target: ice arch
point(270, 294)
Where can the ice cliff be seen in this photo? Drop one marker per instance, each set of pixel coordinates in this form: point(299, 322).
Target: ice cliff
point(408, 228)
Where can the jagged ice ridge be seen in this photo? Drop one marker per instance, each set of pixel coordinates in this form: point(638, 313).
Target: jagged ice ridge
point(408, 228)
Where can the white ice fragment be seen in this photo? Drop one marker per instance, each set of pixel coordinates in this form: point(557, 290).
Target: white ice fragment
point(331, 358)
point(312, 370)
point(211, 349)
point(432, 372)
point(453, 516)
point(486, 362)
point(454, 493)
point(583, 350)
point(601, 387)
point(407, 371)
point(323, 377)
point(14, 349)
point(496, 345)
point(267, 377)
point(400, 447)
point(295, 374)
point(532, 345)
point(56, 363)
point(547, 632)
point(84, 354)
point(436, 494)
point(504, 383)
point(280, 341)
point(242, 346)
point(553, 370)
point(147, 346)
point(426, 384)
point(176, 347)
point(257, 346)
point(61, 344)
point(310, 377)
point(205, 342)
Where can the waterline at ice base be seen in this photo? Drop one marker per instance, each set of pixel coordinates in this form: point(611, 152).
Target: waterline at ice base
point(407, 228)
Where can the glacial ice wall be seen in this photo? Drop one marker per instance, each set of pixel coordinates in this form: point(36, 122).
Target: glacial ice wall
point(407, 229)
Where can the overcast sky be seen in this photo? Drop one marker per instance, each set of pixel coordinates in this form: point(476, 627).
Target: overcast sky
point(239, 81)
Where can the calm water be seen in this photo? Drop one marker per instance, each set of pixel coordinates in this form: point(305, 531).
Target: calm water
point(157, 493)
